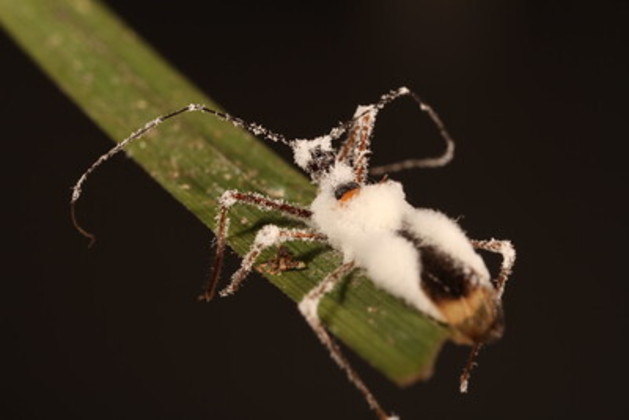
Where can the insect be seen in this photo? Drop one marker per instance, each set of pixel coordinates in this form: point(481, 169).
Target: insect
point(416, 254)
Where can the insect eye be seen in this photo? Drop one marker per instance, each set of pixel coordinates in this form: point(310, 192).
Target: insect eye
point(340, 191)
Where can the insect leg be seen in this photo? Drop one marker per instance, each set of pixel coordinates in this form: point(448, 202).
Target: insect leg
point(360, 128)
point(268, 236)
point(506, 249)
point(309, 306)
point(356, 148)
point(227, 200)
point(432, 162)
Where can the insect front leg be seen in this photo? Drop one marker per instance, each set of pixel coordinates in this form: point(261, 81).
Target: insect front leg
point(266, 237)
point(309, 306)
point(506, 249)
point(357, 147)
point(227, 200)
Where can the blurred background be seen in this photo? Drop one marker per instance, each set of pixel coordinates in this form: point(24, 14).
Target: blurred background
point(534, 93)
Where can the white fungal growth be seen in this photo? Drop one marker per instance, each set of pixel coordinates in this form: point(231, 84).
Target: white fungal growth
point(228, 199)
point(403, 91)
point(435, 228)
point(267, 236)
point(309, 308)
point(464, 385)
point(365, 230)
point(393, 265)
point(363, 110)
point(303, 149)
point(336, 175)
point(508, 253)
point(377, 208)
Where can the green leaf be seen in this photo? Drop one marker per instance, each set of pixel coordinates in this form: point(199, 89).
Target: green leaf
point(121, 83)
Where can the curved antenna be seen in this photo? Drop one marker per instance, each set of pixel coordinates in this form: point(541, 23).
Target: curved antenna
point(253, 128)
point(431, 162)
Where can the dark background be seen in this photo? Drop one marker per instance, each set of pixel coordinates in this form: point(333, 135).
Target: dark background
point(534, 93)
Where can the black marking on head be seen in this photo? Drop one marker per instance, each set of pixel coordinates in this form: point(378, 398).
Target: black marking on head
point(320, 161)
point(443, 278)
point(343, 188)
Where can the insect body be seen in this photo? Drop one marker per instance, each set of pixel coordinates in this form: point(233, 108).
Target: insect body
point(418, 255)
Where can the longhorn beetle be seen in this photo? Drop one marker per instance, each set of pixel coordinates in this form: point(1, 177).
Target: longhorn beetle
point(416, 254)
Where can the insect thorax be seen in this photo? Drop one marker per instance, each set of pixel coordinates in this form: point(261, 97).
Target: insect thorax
point(373, 210)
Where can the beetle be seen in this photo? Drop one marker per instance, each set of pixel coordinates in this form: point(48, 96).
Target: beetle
point(418, 255)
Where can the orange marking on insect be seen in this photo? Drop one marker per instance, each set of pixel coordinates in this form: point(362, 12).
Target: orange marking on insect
point(349, 195)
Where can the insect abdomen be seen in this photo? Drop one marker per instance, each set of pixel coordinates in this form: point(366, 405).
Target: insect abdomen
point(470, 307)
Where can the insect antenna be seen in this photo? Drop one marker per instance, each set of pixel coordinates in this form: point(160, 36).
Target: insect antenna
point(77, 189)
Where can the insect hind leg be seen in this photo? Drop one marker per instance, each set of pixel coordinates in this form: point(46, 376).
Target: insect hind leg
point(430, 162)
point(506, 249)
point(309, 306)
